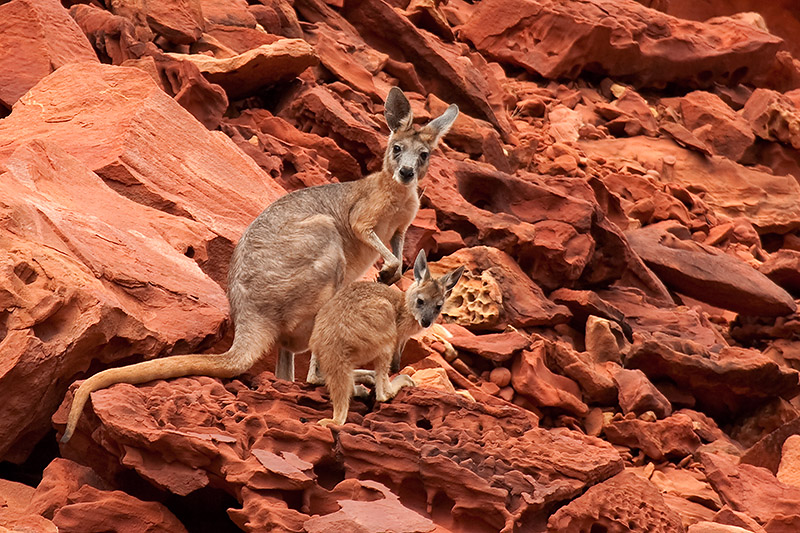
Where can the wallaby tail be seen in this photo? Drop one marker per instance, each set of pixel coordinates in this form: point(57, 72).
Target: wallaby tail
point(238, 359)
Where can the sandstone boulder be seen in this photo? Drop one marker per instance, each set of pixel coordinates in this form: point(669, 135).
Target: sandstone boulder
point(37, 37)
point(624, 503)
point(648, 48)
point(255, 69)
point(149, 150)
point(708, 275)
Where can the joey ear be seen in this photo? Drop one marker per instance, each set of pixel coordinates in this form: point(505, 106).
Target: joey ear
point(441, 124)
point(397, 110)
point(421, 272)
point(450, 279)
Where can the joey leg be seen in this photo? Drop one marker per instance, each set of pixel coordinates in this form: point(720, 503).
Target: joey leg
point(314, 375)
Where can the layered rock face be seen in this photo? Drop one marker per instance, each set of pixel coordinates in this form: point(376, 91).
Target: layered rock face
point(622, 186)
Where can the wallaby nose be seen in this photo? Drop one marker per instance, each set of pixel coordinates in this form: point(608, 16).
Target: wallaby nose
point(426, 323)
point(406, 173)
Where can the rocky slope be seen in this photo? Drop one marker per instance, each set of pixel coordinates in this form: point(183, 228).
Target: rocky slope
point(622, 185)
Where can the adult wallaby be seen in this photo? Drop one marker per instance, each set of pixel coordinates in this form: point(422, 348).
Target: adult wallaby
point(368, 322)
point(298, 252)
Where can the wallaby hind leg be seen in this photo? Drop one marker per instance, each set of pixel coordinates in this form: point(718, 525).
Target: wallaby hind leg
point(285, 366)
point(340, 388)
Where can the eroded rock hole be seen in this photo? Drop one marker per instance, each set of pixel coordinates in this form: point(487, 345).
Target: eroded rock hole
point(329, 474)
point(424, 423)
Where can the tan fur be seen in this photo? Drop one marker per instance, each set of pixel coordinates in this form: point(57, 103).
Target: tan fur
point(297, 253)
point(368, 323)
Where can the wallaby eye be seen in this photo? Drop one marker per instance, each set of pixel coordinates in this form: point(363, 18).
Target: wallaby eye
point(396, 148)
point(420, 302)
point(423, 156)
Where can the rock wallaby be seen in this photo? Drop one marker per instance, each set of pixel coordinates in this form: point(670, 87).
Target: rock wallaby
point(298, 252)
point(368, 322)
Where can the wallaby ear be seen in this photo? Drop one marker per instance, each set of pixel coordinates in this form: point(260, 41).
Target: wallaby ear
point(421, 272)
point(397, 110)
point(441, 124)
point(450, 279)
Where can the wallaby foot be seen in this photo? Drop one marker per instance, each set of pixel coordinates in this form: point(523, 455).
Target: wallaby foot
point(284, 369)
point(400, 381)
point(361, 392)
point(388, 275)
point(365, 377)
point(386, 390)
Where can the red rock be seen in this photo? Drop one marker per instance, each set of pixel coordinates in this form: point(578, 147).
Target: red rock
point(532, 379)
point(494, 292)
point(43, 37)
point(446, 69)
point(114, 37)
point(373, 516)
point(277, 17)
point(204, 100)
point(684, 137)
point(584, 304)
point(624, 503)
point(773, 202)
point(708, 275)
point(672, 437)
point(726, 132)
point(92, 290)
point(227, 13)
point(180, 22)
point(649, 48)
point(711, 527)
point(255, 69)
point(670, 324)
point(723, 383)
point(592, 375)
point(728, 516)
point(780, 16)
point(322, 112)
point(433, 378)
point(500, 376)
point(637, 395)
point(789, 469)
point(205, 429)
point(349, 58)
point(783, 267)
point(90, 510)
point(766, 452)
point(15, 514)
point(297, 159)
point(78, 500)
point(754, 491)
point(147, 151)
point(547, 229)
point(230, 41)
point(688, 484)
point(773, 117)
point(497, 347)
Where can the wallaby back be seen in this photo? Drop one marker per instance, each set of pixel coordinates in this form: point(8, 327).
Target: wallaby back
point(298, 252)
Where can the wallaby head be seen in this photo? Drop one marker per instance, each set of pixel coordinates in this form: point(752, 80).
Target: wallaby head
point(408, 153)
point(427, 295)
